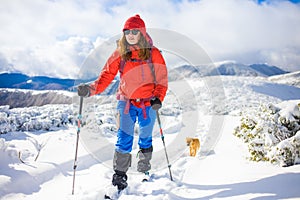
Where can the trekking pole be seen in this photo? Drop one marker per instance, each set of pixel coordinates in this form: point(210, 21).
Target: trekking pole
point(77, 140)
point(163, 140)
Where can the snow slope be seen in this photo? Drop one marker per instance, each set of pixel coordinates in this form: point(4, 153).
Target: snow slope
point(292, 78)
point(224, 173)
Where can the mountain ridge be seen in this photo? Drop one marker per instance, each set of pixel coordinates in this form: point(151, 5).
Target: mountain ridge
point(23, 81)
point(229, 68)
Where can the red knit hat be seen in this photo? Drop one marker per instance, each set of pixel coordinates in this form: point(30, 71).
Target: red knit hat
point(135, 22)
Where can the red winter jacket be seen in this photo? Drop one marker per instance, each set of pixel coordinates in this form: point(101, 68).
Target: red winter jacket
point(136, 80)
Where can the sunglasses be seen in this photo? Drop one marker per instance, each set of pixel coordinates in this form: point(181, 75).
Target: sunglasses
point(133, 32)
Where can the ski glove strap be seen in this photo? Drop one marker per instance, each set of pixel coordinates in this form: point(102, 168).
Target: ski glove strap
point(155, 103)
point(83, 90)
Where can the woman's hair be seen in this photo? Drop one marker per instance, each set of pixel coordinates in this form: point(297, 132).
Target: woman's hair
point(143, 44)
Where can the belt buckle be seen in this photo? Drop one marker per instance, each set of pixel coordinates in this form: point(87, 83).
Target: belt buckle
point(138, 100)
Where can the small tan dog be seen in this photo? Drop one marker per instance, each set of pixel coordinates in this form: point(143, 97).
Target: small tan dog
point(194, 144)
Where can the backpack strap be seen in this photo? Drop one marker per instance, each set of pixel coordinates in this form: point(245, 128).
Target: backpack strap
point(150, 63)
point(122, 64)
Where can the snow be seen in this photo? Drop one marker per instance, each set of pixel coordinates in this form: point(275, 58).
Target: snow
point(289, 78)
point(38, 163)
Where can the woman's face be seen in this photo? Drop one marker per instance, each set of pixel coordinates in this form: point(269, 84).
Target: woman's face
point(132, 36)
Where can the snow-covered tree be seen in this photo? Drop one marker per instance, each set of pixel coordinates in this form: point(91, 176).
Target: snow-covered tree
point(48, 117)
point(272, 133)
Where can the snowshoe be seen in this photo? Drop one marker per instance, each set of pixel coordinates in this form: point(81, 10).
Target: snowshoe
point(112, 192)
point(146, 177)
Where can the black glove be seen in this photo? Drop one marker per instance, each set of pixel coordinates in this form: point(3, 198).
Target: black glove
point(155, 103)
point(83, 90)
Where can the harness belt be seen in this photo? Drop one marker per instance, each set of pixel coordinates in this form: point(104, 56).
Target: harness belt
point(138, 100)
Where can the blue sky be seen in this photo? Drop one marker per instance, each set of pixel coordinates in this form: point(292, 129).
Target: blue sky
point(293, 1)
point(54, 37)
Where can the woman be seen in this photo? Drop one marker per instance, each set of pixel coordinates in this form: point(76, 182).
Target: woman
point(142, 88)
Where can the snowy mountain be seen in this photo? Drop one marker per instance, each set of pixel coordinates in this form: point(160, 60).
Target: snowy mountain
point(226, 68)
point(237, 69)
point(267, 70)
point(232, 68)
point(229, 68)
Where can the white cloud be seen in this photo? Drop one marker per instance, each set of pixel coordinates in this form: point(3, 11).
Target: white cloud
point(229, 29)
point(52, 37)
point(61, 59)
point(5, 66)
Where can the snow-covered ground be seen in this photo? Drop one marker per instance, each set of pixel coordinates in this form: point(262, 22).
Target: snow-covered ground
point(39, 164)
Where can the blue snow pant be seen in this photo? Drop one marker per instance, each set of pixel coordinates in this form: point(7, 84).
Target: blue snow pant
point(122, 157)
point(127, 123)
